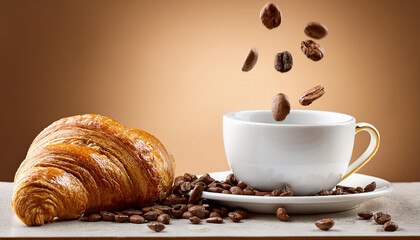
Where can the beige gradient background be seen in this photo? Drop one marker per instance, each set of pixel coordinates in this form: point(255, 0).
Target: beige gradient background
point(173, 68)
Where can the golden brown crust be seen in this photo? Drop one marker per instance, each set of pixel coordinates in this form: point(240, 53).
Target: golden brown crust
point(87, 163)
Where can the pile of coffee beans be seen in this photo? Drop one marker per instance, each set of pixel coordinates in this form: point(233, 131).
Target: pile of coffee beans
point(271, 18)
point(380, 218)
point(177, 205)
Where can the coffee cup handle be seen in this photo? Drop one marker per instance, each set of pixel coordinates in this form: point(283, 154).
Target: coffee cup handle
point(375, 140)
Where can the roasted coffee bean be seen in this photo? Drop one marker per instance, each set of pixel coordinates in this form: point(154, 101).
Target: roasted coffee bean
point(235, 217)
point(158, 211)
point(283, 61)
point(94, 217)
point(147, 209)
point(365, 214)
point(206, 179)
point(258, 193)
point(381, 217)
point(287, 191)
point(390, 226)
point(338, 191)
point(197, 210)
point(156, 226)
point(350, 190)
point(231, 179)
point(282, 214)
point(181, 207)
point(370, 187)
point(186, 215)
point(189, 177)
point(121, 218)
point(214, 214)
point(136, 219)
point(195, 220)
point(196, 182)
point(224, 212)
point(325, 224)
point(107, 216)
point(176, 213)
point(280, 107)
point(270, 16)
point(150, 216)
point(177, 183)
point(312, 50)
point(164, 218)
point(214, 220)
point(236, 190)
point(247, 191)
point(276, 192)
point(196, 193)
point(316, 30)
point(84, 218)
point(242, 185)
point(174, 199)
point(215, 184)
point(243, 213)
point(215, 189)
point(311, 95)
point(359, 190)
point(130, 212)
point(250, 60)
point(202, 213)
point(163, 208)
point(226, 186)
point(226, 191)
point(325, 192)
point(184, 188)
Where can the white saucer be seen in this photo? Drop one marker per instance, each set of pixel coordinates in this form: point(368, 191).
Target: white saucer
point(302, 204)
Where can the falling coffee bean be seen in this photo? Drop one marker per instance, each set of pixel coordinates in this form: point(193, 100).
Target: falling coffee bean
point(283, 61)
point(325, 224)
point(270, 16)
point(316, 30)
point(280, 107)
point(156, 226)
point(365, 215)
point(311, 95)
point(250, 60)
point(312, 50)
point(390, 226)
point(282, 214)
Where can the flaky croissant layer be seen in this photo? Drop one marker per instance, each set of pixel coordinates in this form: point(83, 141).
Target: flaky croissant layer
point(86, 163)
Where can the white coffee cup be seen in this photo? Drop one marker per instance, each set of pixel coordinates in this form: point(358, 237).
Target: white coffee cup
point(309, 150)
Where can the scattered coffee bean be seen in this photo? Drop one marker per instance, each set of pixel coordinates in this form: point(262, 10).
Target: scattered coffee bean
point(195, 220)
point(280, 107)
point(282, 214)
point(231, 180)
point(214, 220)
point(236, 190)
point(359, 190)
point(95, 217)
point(136, 219)
point(196, 194)
point(121, 218)
point(107, 216)
point(150, 216)
point(390, 226)
point(242, 212)
point(283, 62)
point(189, 177)
point(325, 192)
point(174, 199)
point(311, 95)
point(365, 215)
point(325, 224)
point(206, 178)
point(235, 217)
point(338, 191)
point(84, 218)
point(250, 60)
point(130, 212)
point(156, 226)
point(186, 215)
point(163, 208)
point(177, 184)
point(242, 185)
point(316, 30)
point(381, 217)
point(184, 188)
point(350, 190)
point(270, 16)
point(312, 50)
point(147, 209)
point(370, 187)
point(164, 218)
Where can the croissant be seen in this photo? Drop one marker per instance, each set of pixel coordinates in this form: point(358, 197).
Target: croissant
point(83, 164)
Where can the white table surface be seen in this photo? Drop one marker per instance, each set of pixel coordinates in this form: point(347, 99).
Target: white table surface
point(403, 204)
